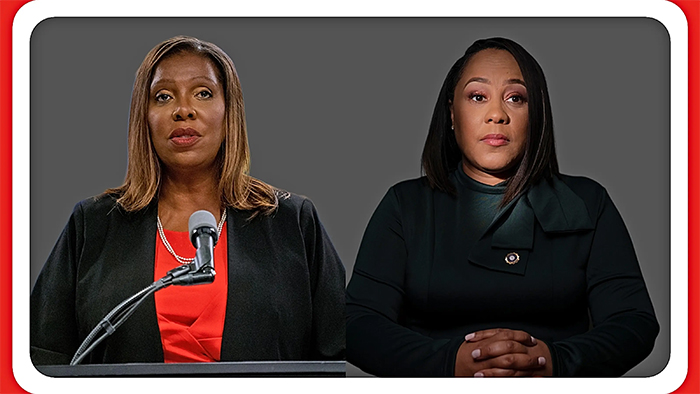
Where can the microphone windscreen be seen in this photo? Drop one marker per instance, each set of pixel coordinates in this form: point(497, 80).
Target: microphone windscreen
point(201, 219)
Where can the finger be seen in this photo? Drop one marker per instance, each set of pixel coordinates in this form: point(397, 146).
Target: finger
point(516, 335)
point(517, 361)
point(498, 348)
point(502, 333)
point(500, 372)
point(481, 335)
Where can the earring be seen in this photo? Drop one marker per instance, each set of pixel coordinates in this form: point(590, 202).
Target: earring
point(452, 127)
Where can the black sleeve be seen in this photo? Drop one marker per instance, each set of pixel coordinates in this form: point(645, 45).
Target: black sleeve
point(53, 327)
point(624, 324)
point(327, 288)
point(378, 343)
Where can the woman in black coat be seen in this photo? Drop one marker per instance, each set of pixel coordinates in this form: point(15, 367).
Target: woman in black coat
point(279, 284)
point(494, 263)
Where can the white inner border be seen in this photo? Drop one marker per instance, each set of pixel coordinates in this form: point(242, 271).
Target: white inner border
point(668, 14)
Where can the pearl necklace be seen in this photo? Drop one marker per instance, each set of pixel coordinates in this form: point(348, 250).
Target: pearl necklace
point(180, 259)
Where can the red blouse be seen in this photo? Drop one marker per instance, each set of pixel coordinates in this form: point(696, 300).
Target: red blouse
point(191, 318)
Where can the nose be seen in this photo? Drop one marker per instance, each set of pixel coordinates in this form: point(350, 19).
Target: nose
point(497, 114)
point(184, 111)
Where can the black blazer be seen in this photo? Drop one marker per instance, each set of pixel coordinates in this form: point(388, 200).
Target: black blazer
point(285, 286)
point(416, 291)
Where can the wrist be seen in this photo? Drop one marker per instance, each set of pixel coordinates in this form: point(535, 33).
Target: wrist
point(464, 360)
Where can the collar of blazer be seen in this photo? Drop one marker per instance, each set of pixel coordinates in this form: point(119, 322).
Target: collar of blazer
point(508, 241)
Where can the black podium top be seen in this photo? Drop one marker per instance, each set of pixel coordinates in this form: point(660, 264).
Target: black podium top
point(220, 369)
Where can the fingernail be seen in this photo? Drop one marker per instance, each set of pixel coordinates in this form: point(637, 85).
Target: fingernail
point(469, 336)
point(533, 339)
point(479, 375)
point(476, 353)
point(541, 360)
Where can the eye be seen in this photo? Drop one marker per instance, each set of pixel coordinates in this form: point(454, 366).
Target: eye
point(516, 99)
point(477, 97)
point(162, 97)
point(205, 94)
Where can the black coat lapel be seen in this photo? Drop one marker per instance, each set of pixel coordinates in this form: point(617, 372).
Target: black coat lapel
point(132, 237)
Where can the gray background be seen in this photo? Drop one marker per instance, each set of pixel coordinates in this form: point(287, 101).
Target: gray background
point(338, 111)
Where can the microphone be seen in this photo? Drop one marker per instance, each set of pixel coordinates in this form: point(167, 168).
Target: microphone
point(202, 226)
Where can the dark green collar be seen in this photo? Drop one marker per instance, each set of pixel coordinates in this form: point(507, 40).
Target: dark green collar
point(558, 208)
point(552, 204)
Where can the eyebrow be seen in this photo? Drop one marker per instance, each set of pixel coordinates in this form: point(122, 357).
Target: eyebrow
point(167, 80)
point(485, 80)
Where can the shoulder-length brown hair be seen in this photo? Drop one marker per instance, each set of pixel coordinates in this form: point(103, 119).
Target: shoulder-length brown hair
point(441, 154)
point(143, 175)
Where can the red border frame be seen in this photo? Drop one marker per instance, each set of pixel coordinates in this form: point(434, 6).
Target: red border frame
point(691, 9)
point(9, 8)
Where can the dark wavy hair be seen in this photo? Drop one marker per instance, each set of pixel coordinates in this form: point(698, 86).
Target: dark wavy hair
point(441, 154)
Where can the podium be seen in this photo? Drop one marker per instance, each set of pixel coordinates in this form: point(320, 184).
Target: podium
point(220, 369)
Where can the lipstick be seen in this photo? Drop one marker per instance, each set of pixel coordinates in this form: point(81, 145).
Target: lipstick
point(495, 139)
point(184, 137)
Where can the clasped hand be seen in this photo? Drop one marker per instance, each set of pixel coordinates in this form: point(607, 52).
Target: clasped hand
point(502, 352)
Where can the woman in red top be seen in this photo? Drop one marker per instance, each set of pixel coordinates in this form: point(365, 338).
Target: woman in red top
point(280, 295)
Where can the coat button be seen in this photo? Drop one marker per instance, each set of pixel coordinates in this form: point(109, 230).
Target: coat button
point(512, 258)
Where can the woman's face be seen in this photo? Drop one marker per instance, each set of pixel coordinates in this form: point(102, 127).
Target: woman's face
point(490, 116)
point(186, 110)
